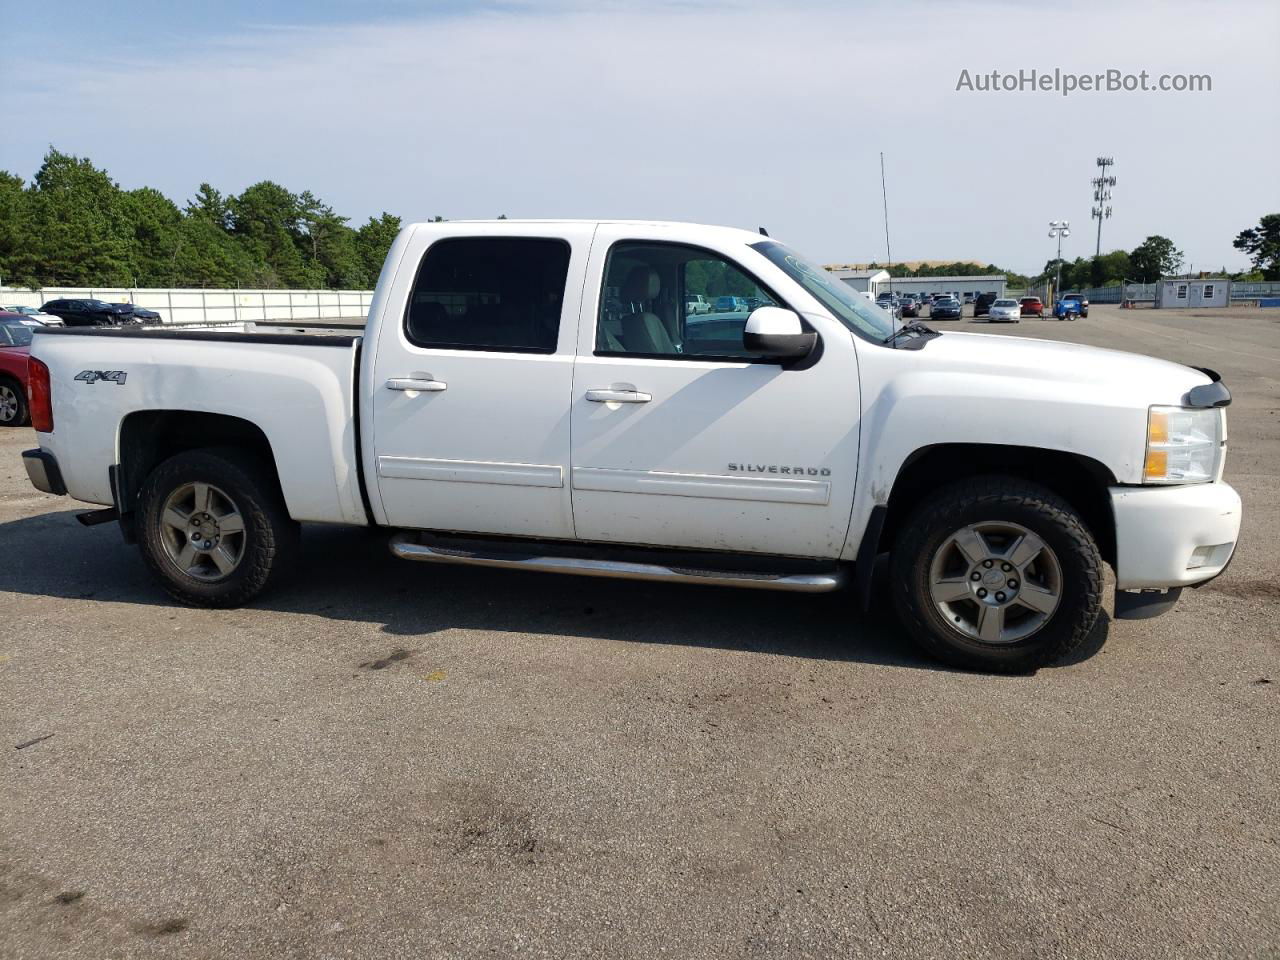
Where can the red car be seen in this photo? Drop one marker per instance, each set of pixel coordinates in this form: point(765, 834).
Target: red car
point(15, 343)
point(1032, 307)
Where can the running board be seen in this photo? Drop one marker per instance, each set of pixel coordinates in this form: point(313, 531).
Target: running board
point(407, 547)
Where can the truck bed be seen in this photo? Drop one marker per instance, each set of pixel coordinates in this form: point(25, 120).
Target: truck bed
point(297, 385)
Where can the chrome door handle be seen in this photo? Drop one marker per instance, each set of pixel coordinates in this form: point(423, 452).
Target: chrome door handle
point(618, 396)
point(417, 386)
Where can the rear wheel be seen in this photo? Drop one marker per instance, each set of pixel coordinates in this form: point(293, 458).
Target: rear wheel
point(996, 573)
point(13, 404)
point(214, 528)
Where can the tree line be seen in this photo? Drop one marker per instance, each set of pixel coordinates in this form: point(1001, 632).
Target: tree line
point(74, 226)
point(1158, 256)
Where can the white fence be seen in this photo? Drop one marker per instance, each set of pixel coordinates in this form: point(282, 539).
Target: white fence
point(211, 306)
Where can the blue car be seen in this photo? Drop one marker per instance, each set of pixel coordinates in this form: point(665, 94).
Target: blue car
point(1071, 305)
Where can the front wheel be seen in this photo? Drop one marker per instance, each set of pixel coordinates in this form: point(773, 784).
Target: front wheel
point(214, 528)
point(996, 573)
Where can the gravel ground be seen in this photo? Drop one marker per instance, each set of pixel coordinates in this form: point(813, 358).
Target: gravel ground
point(388, 760)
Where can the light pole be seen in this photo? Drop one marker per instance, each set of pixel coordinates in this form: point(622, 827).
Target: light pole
point(1059, 229)
point(1101, 194)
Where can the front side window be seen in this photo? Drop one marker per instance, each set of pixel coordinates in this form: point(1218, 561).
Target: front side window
point(850, 308)
point(1182, 291)
point(489, 293)
point(1208, 290)
point(672, 300)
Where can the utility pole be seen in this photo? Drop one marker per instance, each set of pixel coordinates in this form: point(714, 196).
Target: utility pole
point(1102, 185)
point(1059, 229)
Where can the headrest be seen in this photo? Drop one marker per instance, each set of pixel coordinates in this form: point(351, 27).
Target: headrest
point(643, 283)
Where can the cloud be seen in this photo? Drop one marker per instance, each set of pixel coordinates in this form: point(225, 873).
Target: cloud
point(730, 112)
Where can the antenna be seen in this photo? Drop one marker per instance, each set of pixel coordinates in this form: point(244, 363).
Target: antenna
point(884, 194)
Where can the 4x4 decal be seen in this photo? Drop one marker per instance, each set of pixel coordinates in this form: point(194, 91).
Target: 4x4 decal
point(110, 376)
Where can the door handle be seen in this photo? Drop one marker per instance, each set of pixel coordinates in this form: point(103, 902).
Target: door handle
point(414, 385)
point(618, 396)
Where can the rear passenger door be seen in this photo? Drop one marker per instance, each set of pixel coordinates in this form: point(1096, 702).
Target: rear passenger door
point(472, 380)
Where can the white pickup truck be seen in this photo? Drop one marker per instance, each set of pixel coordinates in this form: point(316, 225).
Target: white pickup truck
point(537, 396)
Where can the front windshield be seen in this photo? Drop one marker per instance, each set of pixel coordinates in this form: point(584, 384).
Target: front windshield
point(846, 304)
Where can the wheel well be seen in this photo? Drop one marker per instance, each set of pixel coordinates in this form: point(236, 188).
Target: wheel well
point(1081, 481)
point(150, 437)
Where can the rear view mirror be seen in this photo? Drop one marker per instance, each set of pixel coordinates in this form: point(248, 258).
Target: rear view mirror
point(777, 333)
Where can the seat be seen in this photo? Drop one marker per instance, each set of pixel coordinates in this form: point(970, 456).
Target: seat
point(642, 330)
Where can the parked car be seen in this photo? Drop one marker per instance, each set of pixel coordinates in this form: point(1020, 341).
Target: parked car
point(695, 303)
point(946, 308)
point(34, 316)
point(968, 298)
point(141, 314)
point(982, 304)
point(1031, 307)
point(1071, 302)
point(907, 307)
point(15, 343)
point(209, 448)
point(1004, 311)
point(890, 304)
point(88, 313)
point(730, 305)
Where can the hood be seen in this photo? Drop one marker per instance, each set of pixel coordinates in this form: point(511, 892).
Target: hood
point(1146, 379)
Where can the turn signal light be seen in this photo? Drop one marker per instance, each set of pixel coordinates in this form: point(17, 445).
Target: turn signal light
point(40, 396)
point(1158, 427)
point(1157, 464)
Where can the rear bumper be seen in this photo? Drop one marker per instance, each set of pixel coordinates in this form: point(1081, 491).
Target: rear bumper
point(43, 472)
point(1173, 536)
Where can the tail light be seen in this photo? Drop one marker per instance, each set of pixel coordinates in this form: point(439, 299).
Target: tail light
point(40, 395)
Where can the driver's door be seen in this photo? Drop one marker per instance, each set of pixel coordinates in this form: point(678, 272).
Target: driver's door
point(681, 437)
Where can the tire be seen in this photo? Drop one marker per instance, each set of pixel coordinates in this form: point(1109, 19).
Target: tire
point(13, 404)
point(1048, 600)
point(209, 489)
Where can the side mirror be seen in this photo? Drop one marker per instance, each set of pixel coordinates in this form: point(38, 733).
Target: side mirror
point(775, 332)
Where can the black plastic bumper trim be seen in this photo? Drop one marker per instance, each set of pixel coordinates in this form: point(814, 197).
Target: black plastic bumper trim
point(43, 472)
point(1145, 604)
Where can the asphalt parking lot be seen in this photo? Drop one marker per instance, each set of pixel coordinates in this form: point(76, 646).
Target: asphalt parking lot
point(393, 760)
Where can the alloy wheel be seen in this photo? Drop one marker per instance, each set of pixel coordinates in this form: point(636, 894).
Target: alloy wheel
point(203, 531)
point(996, 582)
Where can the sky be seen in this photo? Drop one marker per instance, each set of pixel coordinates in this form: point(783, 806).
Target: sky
point(717, 111)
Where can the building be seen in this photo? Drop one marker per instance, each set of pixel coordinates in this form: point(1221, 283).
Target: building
point(876, 282)
point(964, 286)
point(865, 281)
point(1203, 292)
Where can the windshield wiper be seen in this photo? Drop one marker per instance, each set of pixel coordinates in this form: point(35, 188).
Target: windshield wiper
point(916, 327)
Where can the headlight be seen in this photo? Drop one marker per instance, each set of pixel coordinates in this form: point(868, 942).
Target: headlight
point(1184, 445)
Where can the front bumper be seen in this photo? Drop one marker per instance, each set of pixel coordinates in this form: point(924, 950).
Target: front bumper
point(1173, 536)
point(43, 472)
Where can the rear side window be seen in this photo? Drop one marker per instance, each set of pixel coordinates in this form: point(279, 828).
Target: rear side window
point(489, 293)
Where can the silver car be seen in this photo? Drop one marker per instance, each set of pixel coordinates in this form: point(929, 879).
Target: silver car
point(34, 316)
point(1005, 311)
